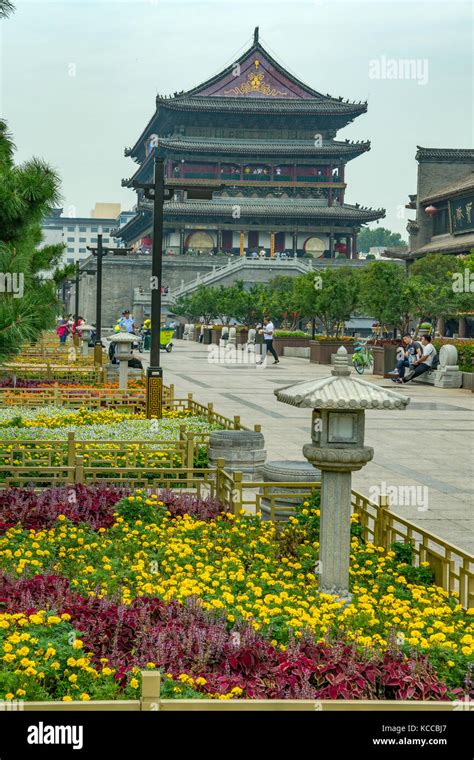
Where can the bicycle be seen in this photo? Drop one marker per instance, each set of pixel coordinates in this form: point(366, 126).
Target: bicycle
point(362, 358)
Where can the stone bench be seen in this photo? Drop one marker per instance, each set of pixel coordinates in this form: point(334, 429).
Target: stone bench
point(448, 374)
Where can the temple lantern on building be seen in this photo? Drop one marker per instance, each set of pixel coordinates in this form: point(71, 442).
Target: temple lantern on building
point(431, 210)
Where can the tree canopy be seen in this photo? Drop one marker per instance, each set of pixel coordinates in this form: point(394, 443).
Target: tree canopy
point(27, 192)
point(377, 237)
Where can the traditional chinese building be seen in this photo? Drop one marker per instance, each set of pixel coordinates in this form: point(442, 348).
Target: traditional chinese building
point(270, 141)
point(444, 202)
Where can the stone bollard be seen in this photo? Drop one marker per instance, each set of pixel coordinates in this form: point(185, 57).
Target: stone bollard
point(285, 472)
point(251, 338)
point(448, 374)
point(232, 336)
point(242, 451)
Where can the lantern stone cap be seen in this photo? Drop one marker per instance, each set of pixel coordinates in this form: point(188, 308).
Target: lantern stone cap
point(123, 337)
point(341, 391)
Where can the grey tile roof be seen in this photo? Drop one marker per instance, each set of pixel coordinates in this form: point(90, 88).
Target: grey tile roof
point(326, 106)
point(452, 189)
point(254, 207)
point(444, 154)
point(269, 147)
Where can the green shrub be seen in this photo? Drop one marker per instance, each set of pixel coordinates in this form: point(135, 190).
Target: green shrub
point(291, 334)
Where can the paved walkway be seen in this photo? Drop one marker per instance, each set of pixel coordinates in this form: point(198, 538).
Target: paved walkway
point(429, 444)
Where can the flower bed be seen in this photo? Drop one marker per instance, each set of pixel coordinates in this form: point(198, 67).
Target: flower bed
point(227, 606)
point(105, 425)
point(54, 423)
point(7, 382)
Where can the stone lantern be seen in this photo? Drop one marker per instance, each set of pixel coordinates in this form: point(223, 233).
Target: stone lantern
point(86, 331)
point(124, 343)
point(337, 449)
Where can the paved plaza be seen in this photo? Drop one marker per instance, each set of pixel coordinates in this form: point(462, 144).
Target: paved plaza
point(429, 444)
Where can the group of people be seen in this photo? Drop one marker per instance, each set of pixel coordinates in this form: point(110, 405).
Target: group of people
point(418, 357)
point(69, 326)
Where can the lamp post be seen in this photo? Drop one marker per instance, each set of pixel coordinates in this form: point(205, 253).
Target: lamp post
point(100, 252)
point(337, 449)
point(76, 293)
point(158, 193)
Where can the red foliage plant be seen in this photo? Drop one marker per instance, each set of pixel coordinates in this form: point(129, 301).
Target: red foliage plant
point(93, 505)
point(184, 638)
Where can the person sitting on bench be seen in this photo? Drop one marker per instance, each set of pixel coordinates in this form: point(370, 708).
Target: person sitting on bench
point(412, 350)
point(424, 363)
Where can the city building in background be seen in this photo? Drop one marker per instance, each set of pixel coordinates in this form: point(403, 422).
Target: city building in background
point(271, 140)
point(79, 232)
point(444, 202)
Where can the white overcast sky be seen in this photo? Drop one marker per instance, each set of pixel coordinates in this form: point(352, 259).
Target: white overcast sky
point(79, 79)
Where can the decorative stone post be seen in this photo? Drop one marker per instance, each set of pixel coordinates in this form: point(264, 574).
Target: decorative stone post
point(337, 449)
point(124, 343)
point(448, 374)
point(86, 334)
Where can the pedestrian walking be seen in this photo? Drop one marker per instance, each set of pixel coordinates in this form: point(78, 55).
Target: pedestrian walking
point(268, 341)
point(63, 330)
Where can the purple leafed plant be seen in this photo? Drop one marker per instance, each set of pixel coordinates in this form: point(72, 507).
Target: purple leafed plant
point(93, 505)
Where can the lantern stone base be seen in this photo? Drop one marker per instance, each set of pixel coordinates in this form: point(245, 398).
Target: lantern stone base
point(242, 450)
point(285, 471)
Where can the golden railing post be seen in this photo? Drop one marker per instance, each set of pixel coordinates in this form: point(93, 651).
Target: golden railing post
point(210, 412)
point(98, 354)
point(154, 394)
point(151, 688)
point(171, 395)
point(257, 428)
point(237, 492)
point(220, 464)
point(56, 394)
point(236, 422)
point(380, 528)
point(49, 374)
point(190, 402)
point(189, 461)
point(71, 450)
point(79, 470)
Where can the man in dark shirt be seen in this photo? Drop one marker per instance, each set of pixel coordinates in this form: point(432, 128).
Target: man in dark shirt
point(412, 350)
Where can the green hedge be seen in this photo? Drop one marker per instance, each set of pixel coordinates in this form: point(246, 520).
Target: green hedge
point(465, 353)
point(291, 334)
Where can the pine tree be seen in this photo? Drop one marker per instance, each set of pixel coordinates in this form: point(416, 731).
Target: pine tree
point(28, 300)
point(6, 8)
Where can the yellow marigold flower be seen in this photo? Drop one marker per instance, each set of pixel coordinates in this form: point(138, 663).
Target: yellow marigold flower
point(84, 697)
point(67, 699)
point(9, 695)
point(134, 683)
point(77, 644)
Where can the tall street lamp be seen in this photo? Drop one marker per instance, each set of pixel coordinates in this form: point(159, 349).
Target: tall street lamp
point(158, 193)
point(100, 252)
